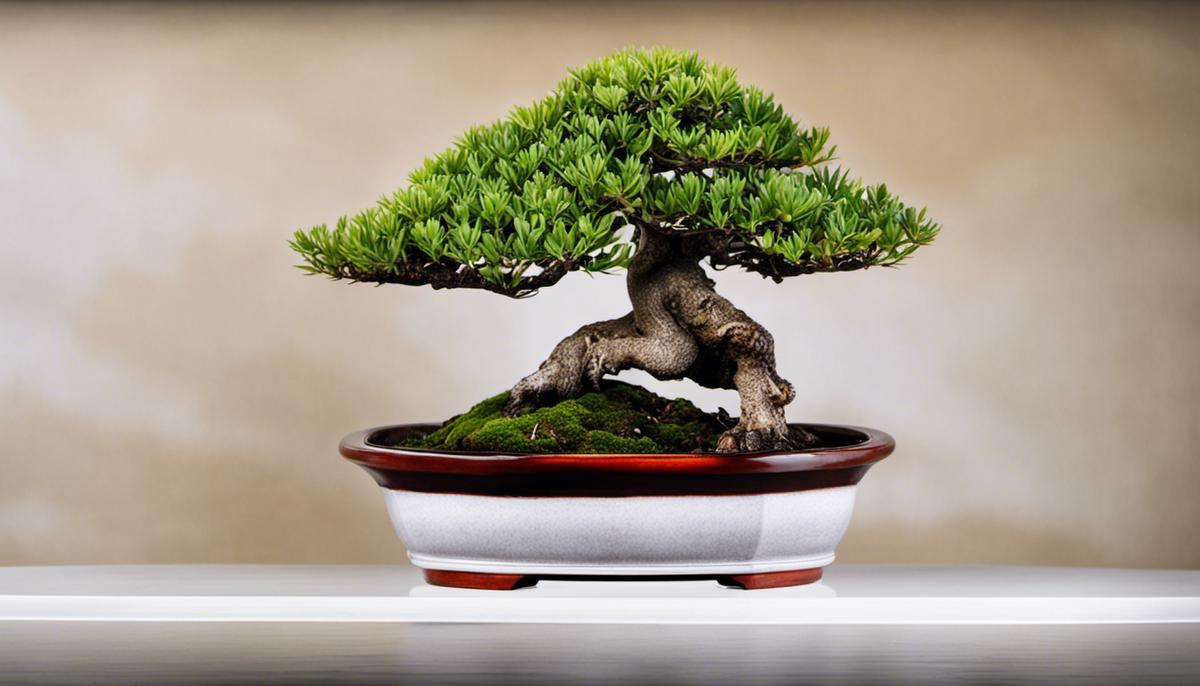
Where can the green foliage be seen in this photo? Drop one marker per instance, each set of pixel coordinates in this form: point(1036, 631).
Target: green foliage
point(657, 138)
point(620, 418)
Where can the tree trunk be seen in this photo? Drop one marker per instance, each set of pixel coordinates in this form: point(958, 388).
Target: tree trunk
point(679, 328)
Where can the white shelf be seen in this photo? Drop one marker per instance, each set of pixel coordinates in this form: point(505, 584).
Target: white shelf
point(170, 625)
point(849, 594)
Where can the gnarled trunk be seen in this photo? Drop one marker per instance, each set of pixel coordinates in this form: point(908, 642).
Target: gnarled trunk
point(679, 328)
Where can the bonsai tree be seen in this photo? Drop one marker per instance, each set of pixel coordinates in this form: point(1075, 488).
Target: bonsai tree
point(652, 161)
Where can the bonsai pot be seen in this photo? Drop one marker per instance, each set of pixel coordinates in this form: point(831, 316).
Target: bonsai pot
point(502, 521)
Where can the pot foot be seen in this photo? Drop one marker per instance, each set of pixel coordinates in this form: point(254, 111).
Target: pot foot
point(793, 577)
point(481, 580)
point(508, 582)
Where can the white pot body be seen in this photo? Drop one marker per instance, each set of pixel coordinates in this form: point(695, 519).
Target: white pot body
point(629, 535)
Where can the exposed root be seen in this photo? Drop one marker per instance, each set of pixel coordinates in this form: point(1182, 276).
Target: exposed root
point(569, 371)
point(679, 328)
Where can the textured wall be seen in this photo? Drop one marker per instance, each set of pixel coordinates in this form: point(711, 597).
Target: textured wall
point(172, 390)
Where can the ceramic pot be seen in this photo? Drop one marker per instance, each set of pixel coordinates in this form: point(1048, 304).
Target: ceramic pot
point(482, 520)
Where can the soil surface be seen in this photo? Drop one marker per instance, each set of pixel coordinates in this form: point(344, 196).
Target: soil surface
point(619, 418)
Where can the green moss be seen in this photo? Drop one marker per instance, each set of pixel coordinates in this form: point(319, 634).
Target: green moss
point(605, 442)
point(619, 418)
point(457, 428)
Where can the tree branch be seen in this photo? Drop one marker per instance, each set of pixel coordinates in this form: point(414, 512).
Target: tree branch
point(441, 275)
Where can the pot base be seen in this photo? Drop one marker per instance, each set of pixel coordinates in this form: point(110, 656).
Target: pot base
point(507, 582)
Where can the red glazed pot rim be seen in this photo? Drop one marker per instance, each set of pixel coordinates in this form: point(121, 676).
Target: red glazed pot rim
point(860, 447)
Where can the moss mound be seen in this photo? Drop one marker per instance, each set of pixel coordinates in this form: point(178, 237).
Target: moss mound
point(619, 418)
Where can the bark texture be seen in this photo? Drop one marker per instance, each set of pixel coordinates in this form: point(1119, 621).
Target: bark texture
point(679, 328)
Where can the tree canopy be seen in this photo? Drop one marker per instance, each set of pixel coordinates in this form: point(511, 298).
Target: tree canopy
point(654, 138)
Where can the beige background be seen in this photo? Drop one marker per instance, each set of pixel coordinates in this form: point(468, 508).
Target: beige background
point(172, 390)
